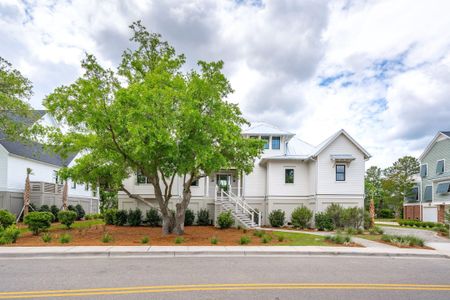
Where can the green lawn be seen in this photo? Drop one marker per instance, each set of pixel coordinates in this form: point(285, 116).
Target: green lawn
point(79, 224)
point(300, 239)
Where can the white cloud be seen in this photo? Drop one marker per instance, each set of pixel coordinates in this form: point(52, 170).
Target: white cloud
point(379, 69)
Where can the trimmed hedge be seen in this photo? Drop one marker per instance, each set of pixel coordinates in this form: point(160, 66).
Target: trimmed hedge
point(67, 217)
point(6, 219)
point(189, 217)
point(38, 221)
point(417, 223)
point(225, 220)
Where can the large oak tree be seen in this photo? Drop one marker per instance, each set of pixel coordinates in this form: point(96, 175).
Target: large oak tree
point(151, 117)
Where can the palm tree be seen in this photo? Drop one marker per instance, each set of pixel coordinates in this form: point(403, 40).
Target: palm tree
point(26, 194)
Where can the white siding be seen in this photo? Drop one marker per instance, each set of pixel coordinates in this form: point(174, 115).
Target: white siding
point(255, 182)
point(354, 182)
point(276, 185)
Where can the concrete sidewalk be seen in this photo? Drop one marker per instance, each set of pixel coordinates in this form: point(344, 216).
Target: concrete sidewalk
point(175, 251)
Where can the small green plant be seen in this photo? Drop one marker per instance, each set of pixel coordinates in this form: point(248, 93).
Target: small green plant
point(401, 241)
point(107, 238)
point(152, 217)
point(277, 218)
point(67, 217)
point(301, 217)
point(214, 240)
point(9, 235)
point(6, 219)
point(134, 217)
point(339, 239)
point(121, 217)
point(179, 240)
point(80, 211)
point(110, 216)
point(225, 220)
point(203, 217)
point(376, 230)
point(38, 221)
point(244, 240)
point(65, 238)
point(54, 210)
point(280, 238)
point(351, 231)
point(189, 217)
point(145, 240)
point(258, 233)
point(266, 239)
point(46, 237)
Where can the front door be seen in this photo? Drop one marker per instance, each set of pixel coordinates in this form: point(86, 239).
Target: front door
point(223, 182)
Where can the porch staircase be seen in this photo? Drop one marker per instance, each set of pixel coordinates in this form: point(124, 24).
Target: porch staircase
point(243, 213)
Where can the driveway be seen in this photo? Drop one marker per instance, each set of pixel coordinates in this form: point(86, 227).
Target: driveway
point(427, 235)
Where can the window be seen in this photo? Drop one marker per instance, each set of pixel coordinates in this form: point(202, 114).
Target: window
point(443, 188)
point(141, 179)
point(428, 195)
point(194, 183)
point(440, 167)
point(414, 195)
point(94, 193)
point(423, 170)
point(56, 178)
point(86, 186)
point(74, 185)
point(266, 140)
point(276, 142)
point(288, 175)
point(340, 172)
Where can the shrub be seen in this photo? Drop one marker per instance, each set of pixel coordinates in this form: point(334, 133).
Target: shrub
point(323, 221)
point(45, 208)
point(67, 217)
point(400, 240)
point(152, 217)
point(335, 211)
point(244, 240)
point(225, 220)
point(301, 217)
point(80, 211)
point(134, 217)
point(258, 233)
point(121, 217)
point(376, 230)
point(145, 240)
point(281, 238)
point(276, 218)
point(46, 238)
point(38, 221)
point(93, 216)
point(353, 217)
point(72, 208)
point(54, 210)
point(65, 238)
point(367, 221)
point(385, 213)
point(6, 219)
point(179, 240)
point(189, 217)
point(110, 216)
point(351, 231)
point(203, 217)
point(9, 235)
point(339, 238)
point(266, 239)
point(214, 240)
point(106, 238)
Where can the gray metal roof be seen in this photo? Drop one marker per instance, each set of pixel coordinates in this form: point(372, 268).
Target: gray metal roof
point(447, 133)
point(33, 150)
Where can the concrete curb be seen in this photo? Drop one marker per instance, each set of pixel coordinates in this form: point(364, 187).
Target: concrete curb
point(180, 251)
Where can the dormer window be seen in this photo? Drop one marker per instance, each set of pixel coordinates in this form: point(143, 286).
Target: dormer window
point(266, 140)
point(276, 142)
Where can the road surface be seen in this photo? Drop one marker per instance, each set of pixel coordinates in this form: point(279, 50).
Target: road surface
point(306, 277)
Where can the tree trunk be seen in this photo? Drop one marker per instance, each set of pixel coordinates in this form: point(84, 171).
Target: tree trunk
point(26, 195)
point(168, 223)
point(181, 209)
point(65, 196)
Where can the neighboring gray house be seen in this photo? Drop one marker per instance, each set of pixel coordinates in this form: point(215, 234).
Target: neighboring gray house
point(432, 193)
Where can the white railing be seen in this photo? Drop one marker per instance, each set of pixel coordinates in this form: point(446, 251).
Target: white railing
point(239, 203)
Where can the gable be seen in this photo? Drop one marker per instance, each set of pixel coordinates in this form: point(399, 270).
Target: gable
point(342, 133)
point(440, 137)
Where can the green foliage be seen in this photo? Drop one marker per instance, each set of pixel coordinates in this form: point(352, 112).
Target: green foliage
point(276, 218)
point(108, 196)
point(121, 217)
point(420, 224)
point(339, 239)
point(244, 240)
point(80, 211)
point(134, 217)
point(385, 213)
point(46, 237)
point(93, 217)
point(54, 210)
point(376, 230)
point(179, 240)
point(6, 219)
point(280, 238)
point(110, 216)
point(301, 217)
point(352, 217)
point(323, 222)
point(203, 217)
point(373, 187)
point(225, 220)
point(367, 220)
point(38, 221)
point(351, 231)
point(214, 240)
point(9, 235)
point(258, 233)
point(189, 217)
point(153, 219)
point(65, 238)
point(45, 208)
point(145, 240)
point(67, 217)
point(107, 238)
point(335, 212)
point(266, 239)
point(403, 240)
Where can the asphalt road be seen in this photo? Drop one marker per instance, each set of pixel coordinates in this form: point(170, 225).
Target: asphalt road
point(226, 278)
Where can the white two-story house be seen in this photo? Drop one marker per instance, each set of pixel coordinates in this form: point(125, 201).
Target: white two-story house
point(46, 187)
point(289, 174)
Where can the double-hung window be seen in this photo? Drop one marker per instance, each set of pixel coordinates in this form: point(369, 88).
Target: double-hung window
point(423, 171)
point(276, 142)
point(266, 140)
point(288, 175)
point(194, 183)
point(340, 172)
point(428, 194)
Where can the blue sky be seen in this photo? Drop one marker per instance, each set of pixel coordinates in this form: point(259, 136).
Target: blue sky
point(311, 67)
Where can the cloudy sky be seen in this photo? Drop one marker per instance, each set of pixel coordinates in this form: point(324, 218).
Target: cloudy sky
point(378, 69)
